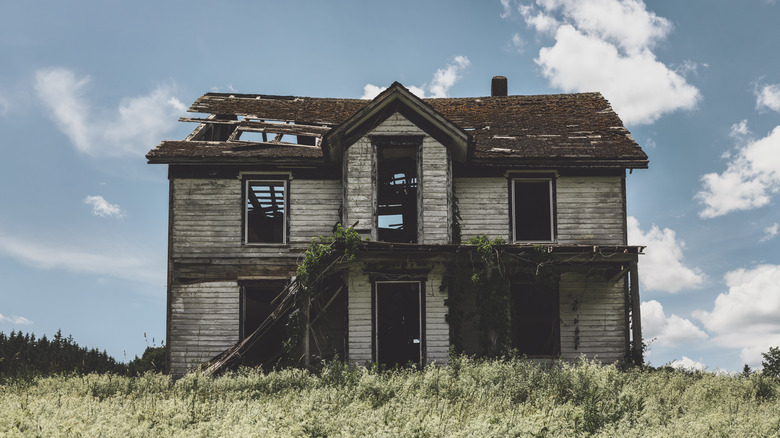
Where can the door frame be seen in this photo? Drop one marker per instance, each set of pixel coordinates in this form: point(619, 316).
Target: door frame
point(375, 316)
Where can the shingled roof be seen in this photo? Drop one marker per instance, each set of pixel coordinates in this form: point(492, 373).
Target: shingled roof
point(579, 129)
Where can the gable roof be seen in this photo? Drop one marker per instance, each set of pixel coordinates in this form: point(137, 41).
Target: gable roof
point(578, 129)
point(396, 99)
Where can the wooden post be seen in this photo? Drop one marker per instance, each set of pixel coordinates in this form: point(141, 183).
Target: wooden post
point(306, 330)
point(636, 316)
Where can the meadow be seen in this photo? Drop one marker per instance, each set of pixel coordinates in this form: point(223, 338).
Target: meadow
point(499, 398)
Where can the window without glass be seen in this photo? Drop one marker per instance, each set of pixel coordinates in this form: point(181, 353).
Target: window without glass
point(397, 194)
point(258, 304)
point(535, 319)
point(266, 212)
point(532, 201)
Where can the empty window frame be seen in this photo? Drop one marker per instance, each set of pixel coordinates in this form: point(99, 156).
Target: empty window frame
point(397, 194)
point(535, 319)
point(532, 210)
point(265, 214)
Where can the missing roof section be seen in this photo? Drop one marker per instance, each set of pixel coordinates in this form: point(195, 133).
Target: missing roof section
point(252, 130)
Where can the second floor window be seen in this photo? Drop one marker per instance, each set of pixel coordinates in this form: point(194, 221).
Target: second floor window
point(265, 218)
point(397, 194)
point(532, 210)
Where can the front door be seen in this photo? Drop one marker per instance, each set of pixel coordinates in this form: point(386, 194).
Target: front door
point(397, 311)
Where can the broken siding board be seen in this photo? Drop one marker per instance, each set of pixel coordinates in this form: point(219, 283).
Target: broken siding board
point(590, 210)
point(437, 330)
point(199, 329)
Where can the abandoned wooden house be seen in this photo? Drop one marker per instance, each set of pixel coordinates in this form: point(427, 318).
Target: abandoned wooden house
point(419, 178)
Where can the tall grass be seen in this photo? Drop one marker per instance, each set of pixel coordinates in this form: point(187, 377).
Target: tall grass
point(468, 398)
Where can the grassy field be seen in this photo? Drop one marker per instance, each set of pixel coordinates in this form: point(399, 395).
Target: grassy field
point(492, 398)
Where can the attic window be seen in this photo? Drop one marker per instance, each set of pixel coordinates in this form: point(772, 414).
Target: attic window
point(266, 211)
point(532, 209)
point(397, 194)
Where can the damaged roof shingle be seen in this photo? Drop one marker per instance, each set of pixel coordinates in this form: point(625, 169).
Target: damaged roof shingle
point(575, 128)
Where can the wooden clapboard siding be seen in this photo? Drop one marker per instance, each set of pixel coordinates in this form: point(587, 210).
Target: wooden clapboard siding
point(597, 308)
point(359, 191)
point(484, 207)
point(435, 193)
point(437, 330)
point(314, 209)
point(590, 210)
point(359, 342)
point(204, 322)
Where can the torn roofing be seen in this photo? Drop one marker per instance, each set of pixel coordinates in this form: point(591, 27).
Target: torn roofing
point(564, 128)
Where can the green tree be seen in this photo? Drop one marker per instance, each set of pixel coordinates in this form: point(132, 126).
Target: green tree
point(771, 362)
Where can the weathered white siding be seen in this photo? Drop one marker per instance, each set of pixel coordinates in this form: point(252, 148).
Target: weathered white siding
point(435, 188)
point(207, 217)
point(359, 317)
point(359, 190)
point(597, 309)
point(314, 209)
point(437, 331)
point(484, 207)
point(204, 322)
point(591, 210)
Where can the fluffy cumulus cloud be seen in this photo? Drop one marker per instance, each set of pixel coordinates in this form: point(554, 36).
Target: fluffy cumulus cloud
point(606, 46)
point(768, 96)
point(746, 317)
point(103, 208)
point(15, 320)
point(440, 85)
point(751, 178)
point(688, 364)
point(667, 331)
point(133, 127)
point(661, 268)
point(110, 261)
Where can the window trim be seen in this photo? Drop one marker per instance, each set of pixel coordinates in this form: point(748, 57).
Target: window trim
point(550, 179)
point(264, 178)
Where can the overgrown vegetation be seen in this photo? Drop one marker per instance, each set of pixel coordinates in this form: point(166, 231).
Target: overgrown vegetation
point(499, 398)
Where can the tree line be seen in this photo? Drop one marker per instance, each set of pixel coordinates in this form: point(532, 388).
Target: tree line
point(22, 354)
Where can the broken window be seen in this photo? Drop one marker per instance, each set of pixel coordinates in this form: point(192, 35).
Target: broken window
point(535, 318)
point(266, 212)
point(397, 194)
point(257, 305)
point(532, 209)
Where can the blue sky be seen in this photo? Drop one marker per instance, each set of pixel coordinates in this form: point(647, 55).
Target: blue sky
point(86, 89)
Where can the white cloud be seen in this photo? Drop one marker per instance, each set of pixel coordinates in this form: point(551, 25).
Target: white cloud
point(443, 80)
point(16, 320)
point(518, 43)
point(605, 45)
point(667, 331)
point(103, 208)
point(688, 364)
point(770, 232)
point(768, 96)
point(134, 127)
point(110, 260)
point(745, 317)
point(661, 267)
point(739, 129)
point(750, 180)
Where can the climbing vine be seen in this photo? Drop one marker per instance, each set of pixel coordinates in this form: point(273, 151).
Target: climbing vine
point(315, 273)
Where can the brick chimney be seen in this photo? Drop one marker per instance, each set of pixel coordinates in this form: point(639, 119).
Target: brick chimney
point(498, 87)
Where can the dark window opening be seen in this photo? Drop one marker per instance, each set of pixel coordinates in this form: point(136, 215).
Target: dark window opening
point(532, 209)
point(535, 319)
point(398, 335)
point(258, 304)
point(397, 194)
point(266, 212)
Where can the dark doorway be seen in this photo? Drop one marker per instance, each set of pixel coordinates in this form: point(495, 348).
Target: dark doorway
point(535, 319)
point(257, 306)
point(398, 335)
